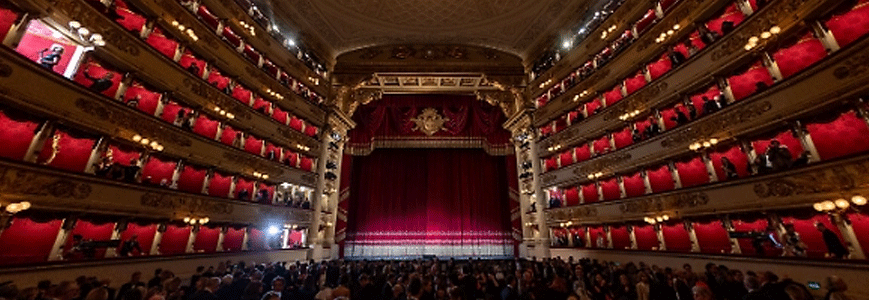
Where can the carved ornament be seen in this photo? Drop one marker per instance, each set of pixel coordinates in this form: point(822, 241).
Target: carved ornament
point(835, 179)
point(22, 182)
point(185, 203)
point(90, 18)
point(429, 121)
point(668, 202)
point(717, 124)
point(125, 119)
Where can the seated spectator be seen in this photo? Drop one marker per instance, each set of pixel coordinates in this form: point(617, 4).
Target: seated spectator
point(680, 118)
point(100, 84)
point(707, 36)
point(710, 106)
point(729, 168)
point(676, 57)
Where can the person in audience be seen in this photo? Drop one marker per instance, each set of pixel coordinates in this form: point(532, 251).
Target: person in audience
point(689, 46)
point(729, 168)
point(676, 57)
point(653, 129)
point(701, 292)
point(134, 102)
point(599, 241)
point(778, 157)
point(680, 118)
point(836, 288)
point(189, 120)
point(793, 244)
point(48, 61)
point(193, 68)
point(128, 246)
point(636, 136)
point(721, 100)
point(727, 27)
point(802, 160)
point(760, 86)
point(835, 248)
point(135, 281)
point(131, 172)
point(100, 84)
point(710, 106)
point(238, 141)
point(692, 110)
point(554, 202)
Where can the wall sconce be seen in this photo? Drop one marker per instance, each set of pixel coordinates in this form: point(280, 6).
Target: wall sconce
point(630, 115)
point(554, 148)
point(566, 224)
point(703, 144)
point(224, 113)
point(595, 175)
point(839, 205)
point(154, 145)
point(664, 35)
point(260, 175)
point(274, 94)
point(303, 147)
point(581, 95)
point(248, 27)
point(754, 40)
point(657, 219)
point(185, 30)
point(194, 220)
point(14, 208)
point(86, 35)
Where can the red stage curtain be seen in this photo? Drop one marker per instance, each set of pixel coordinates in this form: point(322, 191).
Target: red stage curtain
point(8, 16)
point(731, 13)
point(589, 193)
point(736, 156)
point(645, 22)
point(189, 58)
point(253, 145)
point(156, 170)
point(206, 239)
point(676, 237)
point(144, 234)
point(219, 185)
point(844, 135)
point(251, 54)
point(634, 83)
point(623, 138)
point(571, 196)
point(712, 237)
point(850, 26)
point(232, 239)
point(228, 135)
point(611, 189)
point(428, 198)
point(582, 153)
point(72, 152)
point(660, 179)
point(162, 43)
point(174, 240)
point(216, 79)
point(242, 94)
point(566, 158)
point(148, 99)
point(785, 137)
point(243, 184)
point(207, 17)
point(96, 70)
point(711, 93)
point(206, 126)
point(802, 54)
point(39, 37)
point(860, 224)
point(261, 105)
point(256, 239)
point(745, 84)
point(804, 225)
point(634, 185)
point(231, 37)
point(647, 239)
point(660, 66)
point(594, 232)
point(123, 155)
point(89, 231)
point(751, 224)
point(592, 106)
point(279, 115)
point(28, 240)
point(614, 95)
point(621, 237)
point(692, 172)
point(602, 145)
point(170, 111)
point(17, 133)
point(192, 178)
point(130, 20)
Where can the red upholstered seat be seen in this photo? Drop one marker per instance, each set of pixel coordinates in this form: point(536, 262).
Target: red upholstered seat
point(28, 240)
point(839, 135)
point(634, 185)
point(551, 163)
point(17, 134)
point(676, 237)
point(851, 25)
point(712, 236)
point(174, 240)
point(692, 172)
point(796, 57)
point(311, 130)
point(228, 136)
point(592, 106)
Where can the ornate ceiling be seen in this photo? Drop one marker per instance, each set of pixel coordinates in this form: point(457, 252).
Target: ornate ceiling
point(513, 26)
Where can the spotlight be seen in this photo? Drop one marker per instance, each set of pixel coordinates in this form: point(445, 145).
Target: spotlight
point(858, 200)
point(273, 230)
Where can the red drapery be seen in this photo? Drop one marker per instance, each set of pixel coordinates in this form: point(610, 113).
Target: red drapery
point(839, 135)
point(219, 81)
point(660, 66)
point(89, 231)
point(219, 184)
point(634, 185)
point(787, 139)
point(191, 62)
point(242, 94)
point(582, 153)
point(802, 54)
point(621, 237)
point(147, 98)
point(757, 224)
point(157, 170)
point(228, 136)
point(614, 95)
point(860, 223)
point(692, 172)
point(566, 158)
point(589, 193)
point(634, 83)
point(8, 17)
point(206, 239)
point(712, 236)
point(123, 155)
point(610, 189)
point(66, 151)
point(207, 17)
point(162, 43)
point(746, 83)
point(730, 14)
point(192, 178)
point(17, 133)
point(623, 138)
point(429, 202)
point(144, 234)
point(676, 237)
point(256, 239)
point(174, 240)
point(602, 145)
point(710, 93)
point(647, 238)
point(206, 126)
point(232, 239)
point(736, 156)
point(804, 225)
point(253, 145)
point(129, 19)
point(243, 184)
point(97, 71)
point(643, 23)
point(571, 196)
point(850, 26)
point(28, 240)
point(467, 121)
point(660, 179)
point(596, 232)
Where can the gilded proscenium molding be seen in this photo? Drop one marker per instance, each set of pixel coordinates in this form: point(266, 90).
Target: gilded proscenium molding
point(438, 142)
point(799, 188)
point(636, 54)
point(715, 60)
point(842, 75)
point(165, 75)
point(53, 190)
point(78, 107)
point(510, 101)
point(628, 11)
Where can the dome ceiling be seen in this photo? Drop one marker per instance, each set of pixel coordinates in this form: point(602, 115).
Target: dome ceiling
point(513, 26)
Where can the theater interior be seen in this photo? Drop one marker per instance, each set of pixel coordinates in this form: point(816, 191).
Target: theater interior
point(146, 134)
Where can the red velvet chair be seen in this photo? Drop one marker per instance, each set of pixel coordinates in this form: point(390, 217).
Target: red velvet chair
point(634, 185)
point(306, 164)
point(692, 172)
point(67, 151)
point(712, 237)
point(280, 115)
point(17, 134)
point(297, 124)
point(647, 238)
point(851, 25)
point(311, 130)
point(251, 54)
point(551, 163)
point(171, 111)
point(566, 158)
point(261, 105)
point(162, 43)
point(676, 237)
point(660, 179)
point(798, 56)
point(174, 240)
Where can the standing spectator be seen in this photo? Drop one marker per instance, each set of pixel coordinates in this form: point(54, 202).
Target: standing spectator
point(831, 240)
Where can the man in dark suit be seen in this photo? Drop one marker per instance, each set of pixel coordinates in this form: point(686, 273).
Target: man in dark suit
point(207, 292)
point(509, 292)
